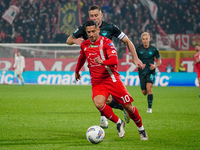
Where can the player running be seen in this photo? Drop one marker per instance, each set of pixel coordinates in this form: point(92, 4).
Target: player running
point(197, 62)
point(102, 60)
point(147, 54)
point(109, 31)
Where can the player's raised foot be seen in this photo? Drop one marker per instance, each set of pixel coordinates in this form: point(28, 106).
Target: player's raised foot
point(120, 128)
point(143, 135)
point(103, 122)
point(126, 116)
point(149, 110)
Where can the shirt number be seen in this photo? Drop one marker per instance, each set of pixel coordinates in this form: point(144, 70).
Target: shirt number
point(126, 99)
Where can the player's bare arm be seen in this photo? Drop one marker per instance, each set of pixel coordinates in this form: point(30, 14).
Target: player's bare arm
point(158, 63)
point(71, 40)
point(131, 47)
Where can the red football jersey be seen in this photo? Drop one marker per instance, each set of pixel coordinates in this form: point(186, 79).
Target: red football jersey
point(104, 48)
point(197, 56)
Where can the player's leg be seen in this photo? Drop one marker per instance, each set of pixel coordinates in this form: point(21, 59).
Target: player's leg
point(20, 77)
point(149, 97)
point(143, 83)
point(149, 85)
point(111, 102)
point(106, 110)
point(135, 116)
point(121, 95)
point(198, 76)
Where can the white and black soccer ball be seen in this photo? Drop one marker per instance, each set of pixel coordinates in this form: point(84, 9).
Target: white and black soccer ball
point(95, 134)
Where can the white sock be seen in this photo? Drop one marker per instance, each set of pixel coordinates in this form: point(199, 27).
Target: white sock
point(22, 79)
point(119, 121)
point(141, 128)
point(19, 80)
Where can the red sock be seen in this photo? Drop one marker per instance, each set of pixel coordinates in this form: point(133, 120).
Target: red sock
point(135, 116)
point(108, 112)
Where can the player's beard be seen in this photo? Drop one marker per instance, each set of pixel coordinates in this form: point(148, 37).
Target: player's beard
point(93, 38)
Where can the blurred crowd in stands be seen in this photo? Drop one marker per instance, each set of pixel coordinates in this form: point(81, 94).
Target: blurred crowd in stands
point(38, 19)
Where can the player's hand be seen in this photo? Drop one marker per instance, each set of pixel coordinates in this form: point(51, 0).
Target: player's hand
point(138, 63)
point(152, 66)
point(24, 70)
point(77, 76)
point(79, 41)
point(98, 60)
point(13, 68)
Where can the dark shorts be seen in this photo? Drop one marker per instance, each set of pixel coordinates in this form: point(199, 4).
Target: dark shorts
point(146, 78)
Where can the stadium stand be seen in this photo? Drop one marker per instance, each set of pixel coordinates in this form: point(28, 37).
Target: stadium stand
point(37, 20)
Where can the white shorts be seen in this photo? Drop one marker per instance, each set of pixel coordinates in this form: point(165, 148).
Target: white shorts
point(18, 71)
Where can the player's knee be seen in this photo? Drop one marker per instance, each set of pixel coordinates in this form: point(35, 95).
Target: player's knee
point(128, 107)
point(98, 103)
point(144, 92)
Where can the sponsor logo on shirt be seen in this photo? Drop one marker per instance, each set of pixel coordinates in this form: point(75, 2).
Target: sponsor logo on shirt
point(150, 53)
point(93, 45)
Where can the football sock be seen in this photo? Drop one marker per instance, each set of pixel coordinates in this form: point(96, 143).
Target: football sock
point(22, 79)
point(108, 113)
point(115, 105)
point(119, 121)
point(19, 80)
point(140, 128)
point(135, 116)
point(150, 100)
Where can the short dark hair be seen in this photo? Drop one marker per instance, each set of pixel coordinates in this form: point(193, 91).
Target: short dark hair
point(91, 23)
point(94, 7)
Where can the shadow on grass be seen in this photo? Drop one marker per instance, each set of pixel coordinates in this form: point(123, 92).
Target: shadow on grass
point(71, 138)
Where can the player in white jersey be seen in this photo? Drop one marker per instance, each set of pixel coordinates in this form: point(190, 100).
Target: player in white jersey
point(19, 67)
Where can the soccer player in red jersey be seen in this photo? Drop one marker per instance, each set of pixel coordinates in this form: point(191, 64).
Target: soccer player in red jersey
point(197, 62)
point(101, 56)
point(107, 30)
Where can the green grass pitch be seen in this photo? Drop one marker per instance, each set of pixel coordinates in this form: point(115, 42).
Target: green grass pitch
point(53, 117)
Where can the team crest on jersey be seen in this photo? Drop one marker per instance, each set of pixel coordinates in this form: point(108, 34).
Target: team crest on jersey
point(150, 53)
point(112, 46)
point(104, 33)
point(93, 45)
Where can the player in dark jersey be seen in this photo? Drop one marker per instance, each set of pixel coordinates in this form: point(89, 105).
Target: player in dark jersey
point(109, 31)
point(147, 55)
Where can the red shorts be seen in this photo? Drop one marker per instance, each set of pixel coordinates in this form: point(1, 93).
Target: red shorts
point(116, 89)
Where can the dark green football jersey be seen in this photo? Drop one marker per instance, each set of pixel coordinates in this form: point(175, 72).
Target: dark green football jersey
point(106, 30)
point(147, 56)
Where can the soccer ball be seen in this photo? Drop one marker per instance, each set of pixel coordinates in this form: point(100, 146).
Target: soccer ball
point(95, 134)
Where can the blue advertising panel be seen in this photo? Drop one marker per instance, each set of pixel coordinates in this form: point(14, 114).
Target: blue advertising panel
point(67, 78)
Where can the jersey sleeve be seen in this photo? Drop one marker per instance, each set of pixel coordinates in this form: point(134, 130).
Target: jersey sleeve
point(81, 60)
point(79, 32)
point(157, 54)
point(111, 53)
point(117, 32)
